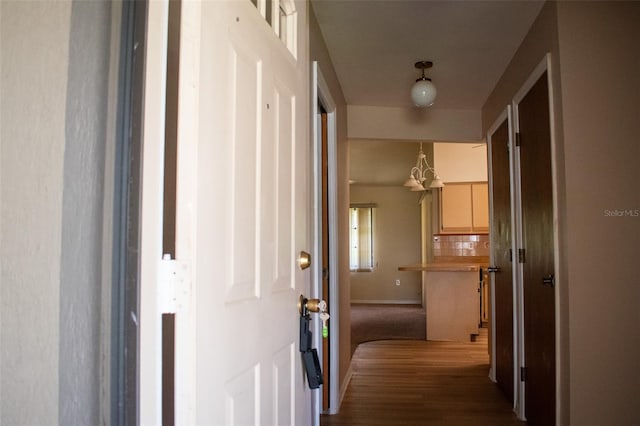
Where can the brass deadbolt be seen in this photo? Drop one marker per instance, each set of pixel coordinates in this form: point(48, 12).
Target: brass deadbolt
point(304, 260)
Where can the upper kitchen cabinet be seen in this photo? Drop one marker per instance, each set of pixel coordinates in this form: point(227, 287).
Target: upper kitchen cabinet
point(464, 200)
point(480, 206)
point(464, 208)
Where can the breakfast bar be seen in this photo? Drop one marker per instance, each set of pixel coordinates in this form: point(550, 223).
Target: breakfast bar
point(452, 299)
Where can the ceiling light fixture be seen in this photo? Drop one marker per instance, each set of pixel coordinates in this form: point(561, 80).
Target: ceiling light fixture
point(423, 92)
point(418, 175)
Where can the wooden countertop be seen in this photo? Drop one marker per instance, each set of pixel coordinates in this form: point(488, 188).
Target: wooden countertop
point(444, 267)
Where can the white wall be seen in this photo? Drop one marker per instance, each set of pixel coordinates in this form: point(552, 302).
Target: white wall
point(55, 63)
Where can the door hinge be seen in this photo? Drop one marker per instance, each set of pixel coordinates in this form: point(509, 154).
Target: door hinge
point(510, 255)
point(549, 280)
point(521, 256)
point(175, 287)
point(523, 374)
point(325, 273)
point(518, 139)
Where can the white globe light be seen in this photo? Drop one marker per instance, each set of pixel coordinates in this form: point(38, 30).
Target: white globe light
point(423, 93)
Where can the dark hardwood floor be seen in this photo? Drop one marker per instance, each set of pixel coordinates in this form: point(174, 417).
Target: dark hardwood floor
point(409, 382)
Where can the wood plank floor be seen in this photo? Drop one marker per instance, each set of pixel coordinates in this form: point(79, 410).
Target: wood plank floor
point(408, 382)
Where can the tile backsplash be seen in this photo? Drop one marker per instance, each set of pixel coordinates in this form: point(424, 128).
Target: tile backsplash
point(460, 245)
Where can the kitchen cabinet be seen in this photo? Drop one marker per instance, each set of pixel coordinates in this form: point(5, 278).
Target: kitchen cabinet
point(464, 207)
point(452, 305)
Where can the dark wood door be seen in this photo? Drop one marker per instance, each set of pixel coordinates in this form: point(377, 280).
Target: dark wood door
point(538, 255)
point(501, 241)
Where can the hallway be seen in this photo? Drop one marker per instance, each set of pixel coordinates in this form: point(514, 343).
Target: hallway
point(409, 382)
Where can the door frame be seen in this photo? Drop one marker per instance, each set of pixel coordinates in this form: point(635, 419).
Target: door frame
point(507, 114)
point(155, 290)
point(545, 65)
point(320, 93)
point(122, 213)
point(150, 363)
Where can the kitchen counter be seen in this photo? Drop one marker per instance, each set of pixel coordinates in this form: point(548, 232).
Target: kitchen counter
point(444, 267)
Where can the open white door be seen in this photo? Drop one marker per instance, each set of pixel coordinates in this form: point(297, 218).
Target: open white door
point(243, 204)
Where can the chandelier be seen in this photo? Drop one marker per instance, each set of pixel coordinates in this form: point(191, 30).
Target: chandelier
point(418, 175)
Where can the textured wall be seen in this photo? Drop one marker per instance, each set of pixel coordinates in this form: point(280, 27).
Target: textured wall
point(55, 62)
point(35, 40)
point(81, 265)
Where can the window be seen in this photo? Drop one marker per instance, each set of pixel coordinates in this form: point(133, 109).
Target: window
point(281, 16)
point(283, 24)
point(361, 220)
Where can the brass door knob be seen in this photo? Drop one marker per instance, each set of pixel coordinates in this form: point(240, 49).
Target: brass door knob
point(311, 305)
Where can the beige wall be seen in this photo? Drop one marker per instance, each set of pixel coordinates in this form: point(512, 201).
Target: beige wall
point(596, 95)
point(318, 52)
point(396, 242)
point(384, 162)
point(600, 69)
point(460, 162)
point(430, 124)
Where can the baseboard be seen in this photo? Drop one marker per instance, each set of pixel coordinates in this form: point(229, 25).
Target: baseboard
point(387, 302)
point(344, 386)
point(492, 375)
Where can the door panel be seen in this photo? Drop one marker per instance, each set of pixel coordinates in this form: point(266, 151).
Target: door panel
point(246, 137)
point(537, 233)
point(501, 244)
point(249, 220)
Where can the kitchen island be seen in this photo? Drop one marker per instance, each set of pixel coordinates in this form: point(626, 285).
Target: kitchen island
point(451, 298)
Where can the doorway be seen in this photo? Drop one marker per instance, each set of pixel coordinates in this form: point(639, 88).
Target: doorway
point(326, 235)
point(391, 274)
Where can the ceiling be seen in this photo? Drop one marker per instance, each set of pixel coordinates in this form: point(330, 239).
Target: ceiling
point(374, 44)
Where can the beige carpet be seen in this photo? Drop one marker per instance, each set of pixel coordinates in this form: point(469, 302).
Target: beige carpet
point(386, 322)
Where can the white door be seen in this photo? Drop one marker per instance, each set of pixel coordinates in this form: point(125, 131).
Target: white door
point(243, 204)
